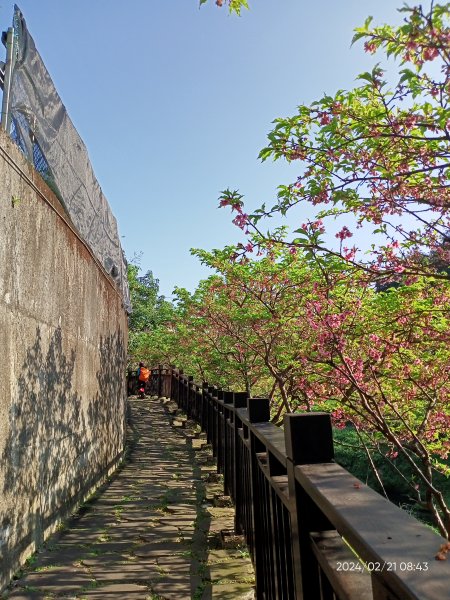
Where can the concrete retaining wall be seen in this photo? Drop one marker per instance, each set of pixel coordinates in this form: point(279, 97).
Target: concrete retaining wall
point(63, 336)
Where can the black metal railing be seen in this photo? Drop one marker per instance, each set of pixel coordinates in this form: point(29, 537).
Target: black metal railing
point(313, 530)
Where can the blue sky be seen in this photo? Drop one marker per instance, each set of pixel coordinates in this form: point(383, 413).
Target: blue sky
point(174, 104)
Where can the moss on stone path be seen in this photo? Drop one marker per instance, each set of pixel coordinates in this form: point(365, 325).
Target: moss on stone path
point(150, 533)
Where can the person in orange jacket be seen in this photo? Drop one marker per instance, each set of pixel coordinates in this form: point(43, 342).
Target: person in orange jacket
point(143, 375)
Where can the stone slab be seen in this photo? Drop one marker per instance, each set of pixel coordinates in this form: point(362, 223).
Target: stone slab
point(118, 592)
point(233, 570)
point(57, 581)
point(228, 591)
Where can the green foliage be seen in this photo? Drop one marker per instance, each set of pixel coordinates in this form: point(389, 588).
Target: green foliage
point(150, 316)
point(394, 473)
point(234, 6)
point(149, 307)
point(372, 155)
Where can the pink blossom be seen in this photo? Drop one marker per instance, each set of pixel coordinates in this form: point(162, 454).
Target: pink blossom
point(410, 121)
point(399, 268)
point(349, 254)
point(344, 233)
point(318, 226)
point(430, 53)
point(324, 118)
point(339, 418)
point(374, 354)
point(240, 220)
point(370, 47)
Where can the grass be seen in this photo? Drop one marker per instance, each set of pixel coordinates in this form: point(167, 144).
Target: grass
point(130, 498)
point(244, 553)
point(45, 568)
point(31, 560)
point(198, 594)
point(163, 505)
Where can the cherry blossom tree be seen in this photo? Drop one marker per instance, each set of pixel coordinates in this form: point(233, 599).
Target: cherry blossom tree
point(262, 299)
point(313, 333)
point(375, 157)
point(206, 327)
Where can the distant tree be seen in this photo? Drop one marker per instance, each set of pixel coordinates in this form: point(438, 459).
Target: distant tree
point(144, 292)
point(151, 311)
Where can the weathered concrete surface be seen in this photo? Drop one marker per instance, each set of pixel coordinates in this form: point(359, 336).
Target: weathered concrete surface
point(150, 534)
point(63, 336)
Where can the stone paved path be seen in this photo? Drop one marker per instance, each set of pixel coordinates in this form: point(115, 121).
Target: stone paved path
point(150, 533)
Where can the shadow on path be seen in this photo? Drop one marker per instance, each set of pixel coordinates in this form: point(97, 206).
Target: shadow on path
point(145, 535)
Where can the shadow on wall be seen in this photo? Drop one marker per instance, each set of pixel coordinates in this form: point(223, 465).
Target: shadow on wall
point(107, 412)
point(59, 443)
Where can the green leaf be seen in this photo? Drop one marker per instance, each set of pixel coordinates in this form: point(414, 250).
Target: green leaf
point(265, 153)
point(358, 35)
point(366, 77)
point(407, 75)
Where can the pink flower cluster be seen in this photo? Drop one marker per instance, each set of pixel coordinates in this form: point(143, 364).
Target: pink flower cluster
point(344, 233)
